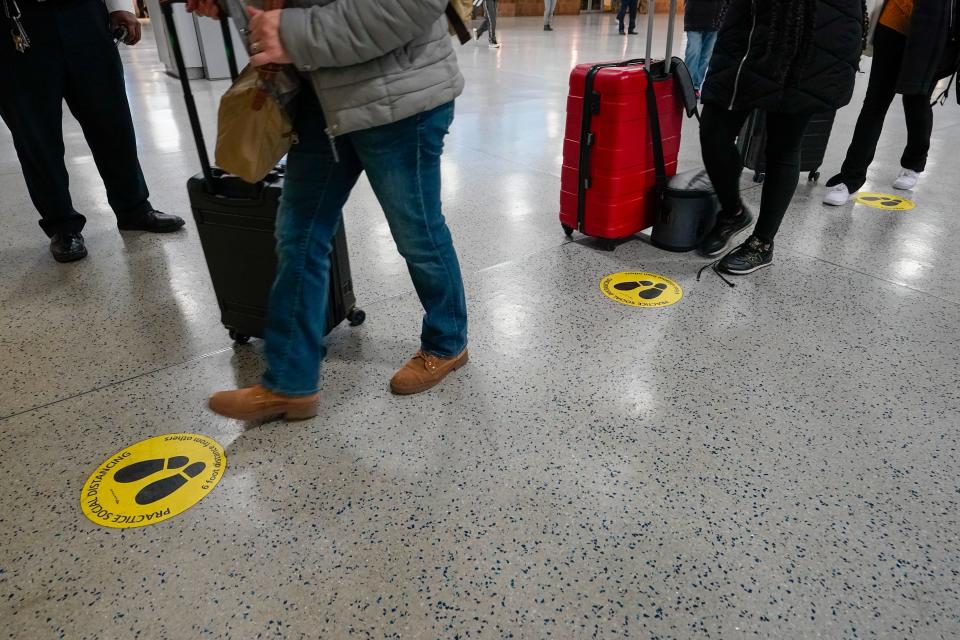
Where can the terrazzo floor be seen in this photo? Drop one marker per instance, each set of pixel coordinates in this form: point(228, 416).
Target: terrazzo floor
point(777, 460)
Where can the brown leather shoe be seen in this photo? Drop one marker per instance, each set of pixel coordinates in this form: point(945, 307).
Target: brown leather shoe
point(424, 371)
point(259, 403)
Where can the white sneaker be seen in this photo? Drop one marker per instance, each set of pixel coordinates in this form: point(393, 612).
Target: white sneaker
point(837, 196)
point(907, 180)
point(494, 45)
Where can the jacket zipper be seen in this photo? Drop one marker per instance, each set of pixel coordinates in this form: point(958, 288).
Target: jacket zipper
point(753, 27)
point(333, 144)
point(953, 18)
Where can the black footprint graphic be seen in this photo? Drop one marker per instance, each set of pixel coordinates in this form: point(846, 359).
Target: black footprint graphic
point(140, 470)
point(884, 201)
point(165, 486)
point(654, 290)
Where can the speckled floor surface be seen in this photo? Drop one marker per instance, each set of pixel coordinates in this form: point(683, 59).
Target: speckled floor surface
point(777, 460)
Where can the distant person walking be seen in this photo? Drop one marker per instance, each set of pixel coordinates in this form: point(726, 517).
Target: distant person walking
point(915, 44)
point(701, 21)
point(489, 23)
point(549, 8)
point(631, 6)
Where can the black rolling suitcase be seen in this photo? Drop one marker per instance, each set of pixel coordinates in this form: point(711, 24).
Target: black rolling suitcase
point(235, 220)
point(752, 143)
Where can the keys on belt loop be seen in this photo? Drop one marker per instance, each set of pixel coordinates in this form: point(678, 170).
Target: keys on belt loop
point(21, 41)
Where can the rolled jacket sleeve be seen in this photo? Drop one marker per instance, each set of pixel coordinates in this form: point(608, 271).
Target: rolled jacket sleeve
point(119, 5)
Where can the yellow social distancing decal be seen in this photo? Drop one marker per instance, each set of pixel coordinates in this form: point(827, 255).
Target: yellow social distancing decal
point(153, 480)
point(885, 201)
point(641, 289)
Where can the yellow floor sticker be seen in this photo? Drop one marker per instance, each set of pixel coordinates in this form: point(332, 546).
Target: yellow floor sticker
point(641, 289)
point(885, 201)
point(153, 480)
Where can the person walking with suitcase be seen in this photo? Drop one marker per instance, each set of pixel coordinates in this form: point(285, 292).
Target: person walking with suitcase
point(625, 6)
point(701, 21)
point(363, 109)
point(914, 46)
point(66, 51)
point(792, 58)
point(489, 24)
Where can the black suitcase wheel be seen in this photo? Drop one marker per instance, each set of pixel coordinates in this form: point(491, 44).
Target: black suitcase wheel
point(238, 337)
point(814, 176)
point(759, 176)
point(568, 231)
point(356, 317)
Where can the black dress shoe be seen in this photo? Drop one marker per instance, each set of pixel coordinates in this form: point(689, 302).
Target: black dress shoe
point(68, 247)
point(153, 221)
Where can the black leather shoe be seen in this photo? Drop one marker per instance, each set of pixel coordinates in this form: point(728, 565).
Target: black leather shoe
point(68, 247)
point(153, 221)
point(718, 240)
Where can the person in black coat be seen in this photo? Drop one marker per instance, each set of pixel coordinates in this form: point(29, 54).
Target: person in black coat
point(792, 58)
point(915, 44)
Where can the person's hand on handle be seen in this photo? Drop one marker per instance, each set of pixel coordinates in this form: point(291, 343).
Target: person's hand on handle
point(126, 20)
point(265, 44)
point(208, 8)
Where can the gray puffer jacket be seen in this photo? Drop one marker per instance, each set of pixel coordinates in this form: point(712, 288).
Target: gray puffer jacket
point(372, 62)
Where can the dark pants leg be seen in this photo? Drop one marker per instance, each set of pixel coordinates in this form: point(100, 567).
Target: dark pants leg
point(97, 97)
point(719, 129)
point(626, 5)
point(31, 105)
point(889, 47)
point(918, 113)
point(718, 132)
point(784, 141)
point(489, 20)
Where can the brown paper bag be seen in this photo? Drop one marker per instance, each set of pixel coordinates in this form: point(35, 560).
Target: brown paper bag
point(253, 132)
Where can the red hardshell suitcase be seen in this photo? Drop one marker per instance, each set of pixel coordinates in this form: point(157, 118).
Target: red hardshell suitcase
point(608, 185)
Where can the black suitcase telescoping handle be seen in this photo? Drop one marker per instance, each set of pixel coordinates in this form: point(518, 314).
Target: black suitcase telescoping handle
point(166, 7)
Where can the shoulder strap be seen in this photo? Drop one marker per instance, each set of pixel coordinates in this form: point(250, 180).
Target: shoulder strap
point(456, 23)
point(660, 165)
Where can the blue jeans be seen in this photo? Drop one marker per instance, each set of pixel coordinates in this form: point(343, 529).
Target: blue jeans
point(699, 50)
point(402, 162)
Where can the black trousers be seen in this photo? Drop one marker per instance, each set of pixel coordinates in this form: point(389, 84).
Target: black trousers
point(719, 129)
point(489, 20)
point(73, 58)
point(881, 90)
point(624, 6)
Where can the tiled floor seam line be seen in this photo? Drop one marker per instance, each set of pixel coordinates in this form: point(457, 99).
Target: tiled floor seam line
point(874, 277)
point(367, 305)
point(115, 383)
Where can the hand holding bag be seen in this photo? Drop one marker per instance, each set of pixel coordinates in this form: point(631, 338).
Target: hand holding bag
point(254, 129)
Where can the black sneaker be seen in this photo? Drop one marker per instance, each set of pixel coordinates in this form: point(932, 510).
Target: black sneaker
point(547, 27)
point(718, 240)
point(752, 255)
